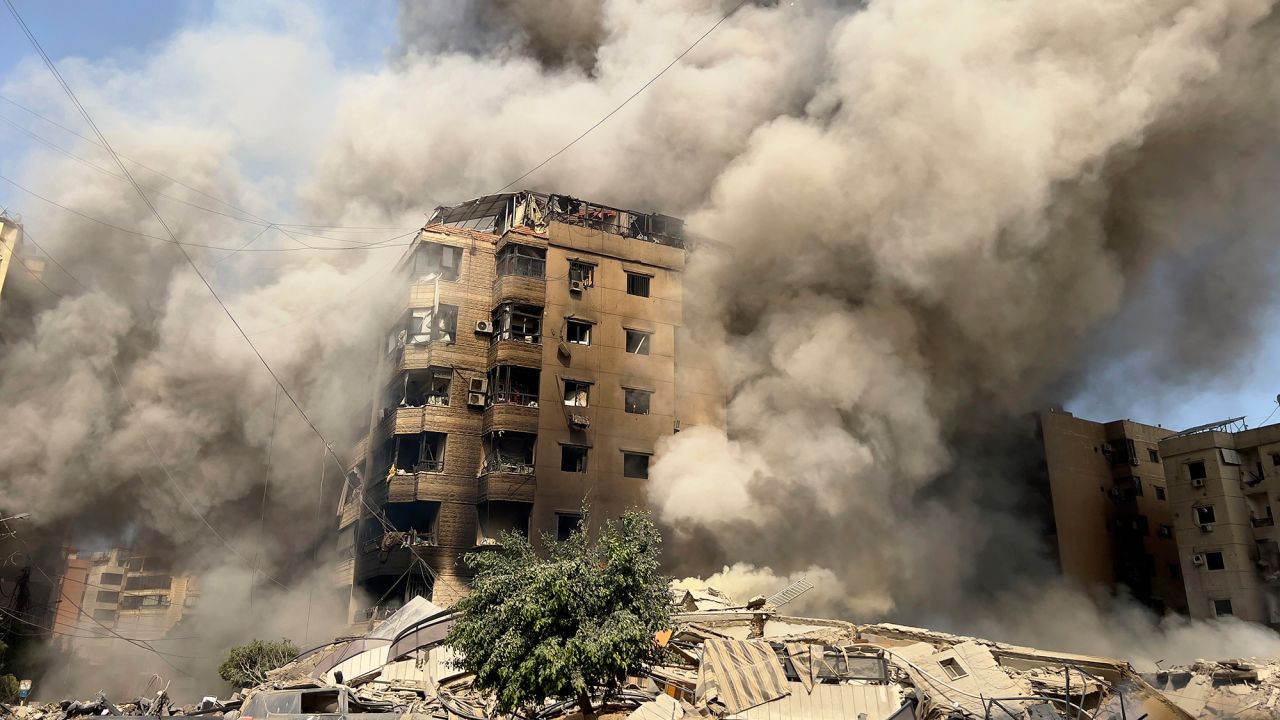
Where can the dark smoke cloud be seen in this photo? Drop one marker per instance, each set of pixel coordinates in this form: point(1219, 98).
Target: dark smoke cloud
point(556, 33)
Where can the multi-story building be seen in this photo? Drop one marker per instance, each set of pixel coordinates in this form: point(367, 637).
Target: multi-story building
point(1112, 518)
point(1222, 489)
point(533, 368)
point(10, 246)
point(133, 594)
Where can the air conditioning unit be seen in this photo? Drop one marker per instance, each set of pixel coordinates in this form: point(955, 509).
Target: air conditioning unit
point(475, 399)
point(1197, 559)
point(1197, 482)
point(484, 327)
point(478, 385)
point(1207, 528)
point(580, 421)
point(563, 348)
point(577, 286)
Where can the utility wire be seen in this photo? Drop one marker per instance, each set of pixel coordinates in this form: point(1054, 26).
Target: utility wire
point(624, 103)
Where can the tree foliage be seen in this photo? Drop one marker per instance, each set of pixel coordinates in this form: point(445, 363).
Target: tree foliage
point(565, 625)
point(247, 665)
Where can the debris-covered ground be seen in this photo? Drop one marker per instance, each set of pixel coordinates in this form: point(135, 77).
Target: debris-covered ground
point(723, 659)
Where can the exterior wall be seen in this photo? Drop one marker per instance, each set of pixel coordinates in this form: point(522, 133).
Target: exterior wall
point(1243, 496)
point(10, 245)
point(1109, 526)
point(71, 593)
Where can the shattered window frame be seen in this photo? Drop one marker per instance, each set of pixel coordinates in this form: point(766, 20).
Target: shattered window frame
point(636, 401)
point(583, 272)
point(635, 465)
point(577, 332)
point(432, 258)
point(573, 458)
point(577, 393)
point(516, 260)
point(638, 341)
point(517, 322)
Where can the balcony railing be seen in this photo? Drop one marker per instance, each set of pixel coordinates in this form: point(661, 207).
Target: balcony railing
point(522, 266)
point(508, 466)
point(509, 397)
point(533, 338)
point(394, 539)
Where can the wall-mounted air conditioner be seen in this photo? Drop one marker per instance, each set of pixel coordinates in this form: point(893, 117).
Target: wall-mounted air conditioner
point(577, 286)
point(475, 399)
point(484, 327)
point(581, 422)
point(1197, 559)
point(478, 385)
point(1207, 528)
point(1197, 482)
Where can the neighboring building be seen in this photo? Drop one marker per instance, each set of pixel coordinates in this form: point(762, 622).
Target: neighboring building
point(534, 365)
point(71, 594)
point(1112, 516)
point(1223, 486)
point(10, 246)
point(133, 594)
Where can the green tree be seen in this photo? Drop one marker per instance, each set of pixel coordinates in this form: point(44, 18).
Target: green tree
point(565, 625)
point(247, 665)
point(8, 689)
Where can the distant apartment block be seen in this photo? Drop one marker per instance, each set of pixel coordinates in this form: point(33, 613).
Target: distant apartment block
point(532, 365)
point(123, 591)
point(1113, 513)
point(1223, 488)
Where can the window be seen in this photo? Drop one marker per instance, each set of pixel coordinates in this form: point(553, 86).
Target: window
point(130, 602)
point(1214, 561)
point(155, 600)
point(1159, 492)
point(638, 284)
point(635, 401)
point(582, 272)
point(134, 564)
point(1205, 515)
point(635, 465)
point(566, 523)
point(576, 393)
point(1152, 455)
point(433, 260)
point(418, 452)
point(111, 578)
point(1222, 607)
point(514, 385)
point(1195, 470)
point(573, 458)
point(578, 332)
point(430, 325)
point(522, 260)
point(425, 387)
point(1275, 459)
point(522, 323)
point(108, 596)
point(1175, 571)
point(638, 342)
point(107, 614)
point(953, 668)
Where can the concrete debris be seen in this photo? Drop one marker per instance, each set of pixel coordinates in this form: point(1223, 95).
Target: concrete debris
point(1248, 689)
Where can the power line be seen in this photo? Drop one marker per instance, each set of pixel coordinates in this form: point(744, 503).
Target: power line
point(624, 103)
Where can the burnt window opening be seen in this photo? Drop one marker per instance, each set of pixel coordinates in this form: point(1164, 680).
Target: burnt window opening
point(522, 323)
point(1205, 515)
point(509, 452)
point(573, 458)
point(497, 517)
point(1275, 459)
point(421, 388)
point(580, 272)
point(1195, 470)
point(577, 393)
point(638, 284)
point(953, 668)
point(417, 518)
point(635, 465)
point(108, 596)
point(137, 602)
point(514, 385)
point(522, 261)
point(1215, 561)
point(417, 452)
point(134, 564)
point(111, 578)
point(432, 260)
point(566, 524)
point(636, 402)
point(577, 332)
point(1222, 608)
point(638, 342)
point(1159, 492)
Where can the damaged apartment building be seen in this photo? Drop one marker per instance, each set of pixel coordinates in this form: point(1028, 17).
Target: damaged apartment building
point(532, 366)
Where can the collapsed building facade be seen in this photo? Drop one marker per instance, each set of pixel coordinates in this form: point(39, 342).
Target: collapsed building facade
point(531, 365)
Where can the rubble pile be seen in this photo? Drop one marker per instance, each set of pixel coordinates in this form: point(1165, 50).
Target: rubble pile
point(1246, 689)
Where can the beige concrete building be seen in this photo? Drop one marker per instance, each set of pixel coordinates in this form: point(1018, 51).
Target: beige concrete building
point(134, 594)
point(1223, 487)
point(1112, 519)
point(533, 367)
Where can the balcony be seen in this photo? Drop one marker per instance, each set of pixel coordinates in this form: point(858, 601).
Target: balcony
point(1260, 522)
point(525, 351)
point(512, 411)
point(520, 289)
point(393, 540)
point(510, 484)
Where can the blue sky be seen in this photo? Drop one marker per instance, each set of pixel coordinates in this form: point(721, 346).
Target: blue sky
point(359, 34)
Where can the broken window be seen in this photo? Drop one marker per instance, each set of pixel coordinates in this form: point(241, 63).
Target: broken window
point(522, 323)
point(1195, 470)
point(424, 325)
point(566, 523)
point(1205, 515)
point(418, 388)
point(155, 600)
point(522, 261)
point(578, 332)
point(432, 260)
point(581, 272)
point(576, 393)
point(638, 284)
point(1159, 492)
point(1222, 607)
point(509, 452)
point(111, 578)
point(638, 342)
point(418, 518)
point(419, 452)
point(108, 596)
point(1215, 561)
point(636, 401)
point(953, 668)
point(573, 458)
point(513, 385)
point(635, 465)
point(500, 516)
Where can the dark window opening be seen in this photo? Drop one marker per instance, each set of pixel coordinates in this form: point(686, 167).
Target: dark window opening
point(500, 516)
point(1195, 470)
point(418, 452)
point(522, 323)
point(636, 402)
point(433, 260)
point(108, 596)
point(1159, 492)
point(112, 578)
point(580, 272)
point(1275, 459)
point(419, 388)
point(638, 342)
point(635, 465)
point(573, 458)
point(514, 385)
point(638, 284)
point(1175, 571)
point(509, 452)
point(1222, 607)
point(577, 393)
point(522, 261)
point(148, 582)
point(417, 518)
point(1152, 455)
point(953, 668)
point(134, 564)
point(578, 332)
point(319, 702)
point(1205, 515)
point(566, 524)
point(1215, 561)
